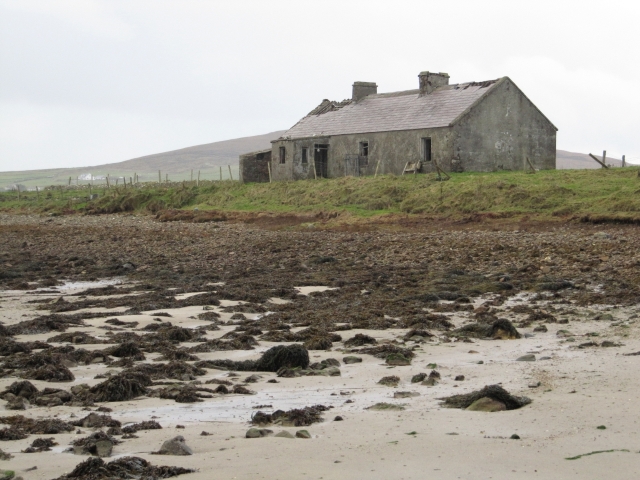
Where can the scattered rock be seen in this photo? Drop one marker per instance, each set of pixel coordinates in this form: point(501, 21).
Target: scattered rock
point(433, 379)
point(303, 434)
point(390, 381)
point(486, 404)
point(351, 359)
point(385, 406)
point(175, 446)
point(530, 357)
point(397, 360)
point(495, 392)
point(405, 394)
point(284, 434)
point(258, 432)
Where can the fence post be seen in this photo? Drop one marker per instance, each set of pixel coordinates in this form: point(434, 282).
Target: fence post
point(230, 174)
point(624, 162)
point(37, 193)
point(198, 184)
point(220, 172)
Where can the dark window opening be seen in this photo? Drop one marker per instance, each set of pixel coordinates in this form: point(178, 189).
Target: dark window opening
point(364, 154)
point(283, 154)
point(426, 149)
point(305, 156)
point(260, 156)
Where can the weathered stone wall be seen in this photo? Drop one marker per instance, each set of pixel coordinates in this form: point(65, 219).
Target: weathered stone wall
point(497, 134)
point(391, 149)
point(501, 131)
point(254, 167)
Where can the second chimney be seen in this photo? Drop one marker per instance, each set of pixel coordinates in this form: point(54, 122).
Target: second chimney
point(429, 81)
point(362, 89)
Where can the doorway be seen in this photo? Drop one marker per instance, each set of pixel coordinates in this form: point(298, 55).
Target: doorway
point(320, 158)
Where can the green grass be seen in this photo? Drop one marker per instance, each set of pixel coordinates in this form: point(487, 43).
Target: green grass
point(606, 194)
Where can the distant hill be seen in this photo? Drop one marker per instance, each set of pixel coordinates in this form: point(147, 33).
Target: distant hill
point(200, 157)
point(207, 158)
point(568, 160)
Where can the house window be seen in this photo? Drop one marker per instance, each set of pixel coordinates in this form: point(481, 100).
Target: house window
point(305, 155)
point(426, 149)
point(283, 154)
point(364, 153)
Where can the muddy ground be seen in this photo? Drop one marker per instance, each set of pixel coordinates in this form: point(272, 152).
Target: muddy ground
point(104, 304)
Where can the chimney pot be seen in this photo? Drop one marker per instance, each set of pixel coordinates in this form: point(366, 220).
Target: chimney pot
point(429, 81)
point(362, 89)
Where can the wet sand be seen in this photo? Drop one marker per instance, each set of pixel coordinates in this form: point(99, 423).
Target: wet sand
point(574, 391)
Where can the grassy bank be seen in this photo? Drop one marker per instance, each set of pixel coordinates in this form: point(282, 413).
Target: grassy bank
point(559, 193)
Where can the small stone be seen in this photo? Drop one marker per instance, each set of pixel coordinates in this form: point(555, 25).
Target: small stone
point(418, 378)
point(338, 418)
point(104, 448)
point(284, 434)
point(351, 359)
point(258, 432)
point(175, 446)
point(544, 358)
point(405, 394)
point(541, 328)
point(530, 357)
point(390, 381)
point(397, 360)
point(303, 434)
point(515, 436)
point(534, 384)
point(486, 404)
point(18, 403)
point(459, 378)
point(204, 434)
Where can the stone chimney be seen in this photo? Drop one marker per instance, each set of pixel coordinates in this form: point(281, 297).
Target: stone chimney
point(362, 89)
point(430, 81)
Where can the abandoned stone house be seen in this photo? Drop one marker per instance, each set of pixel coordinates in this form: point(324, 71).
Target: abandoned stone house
point(475, 126)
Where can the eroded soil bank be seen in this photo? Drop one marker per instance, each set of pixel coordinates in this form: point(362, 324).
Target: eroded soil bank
point(109, 303)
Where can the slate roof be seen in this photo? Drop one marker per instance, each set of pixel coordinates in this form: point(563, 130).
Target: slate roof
point(387, 112)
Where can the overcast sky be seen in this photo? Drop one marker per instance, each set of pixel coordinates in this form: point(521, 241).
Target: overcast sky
point(85, 82)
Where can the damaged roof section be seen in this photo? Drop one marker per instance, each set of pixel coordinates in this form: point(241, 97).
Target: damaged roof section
point(406, 110)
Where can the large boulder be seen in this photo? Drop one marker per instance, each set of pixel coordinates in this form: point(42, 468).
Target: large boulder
point(175, 446)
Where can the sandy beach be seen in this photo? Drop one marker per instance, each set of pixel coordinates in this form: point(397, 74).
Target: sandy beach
point(582, 383)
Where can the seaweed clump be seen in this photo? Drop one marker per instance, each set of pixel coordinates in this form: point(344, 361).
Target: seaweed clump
point(359, 340)
point(296, 417)
point(50, 373)
point(126, 467)
point(500, 329)
point(40, 445)
point(122, 387)
point(287, 356)
point(494, 392)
